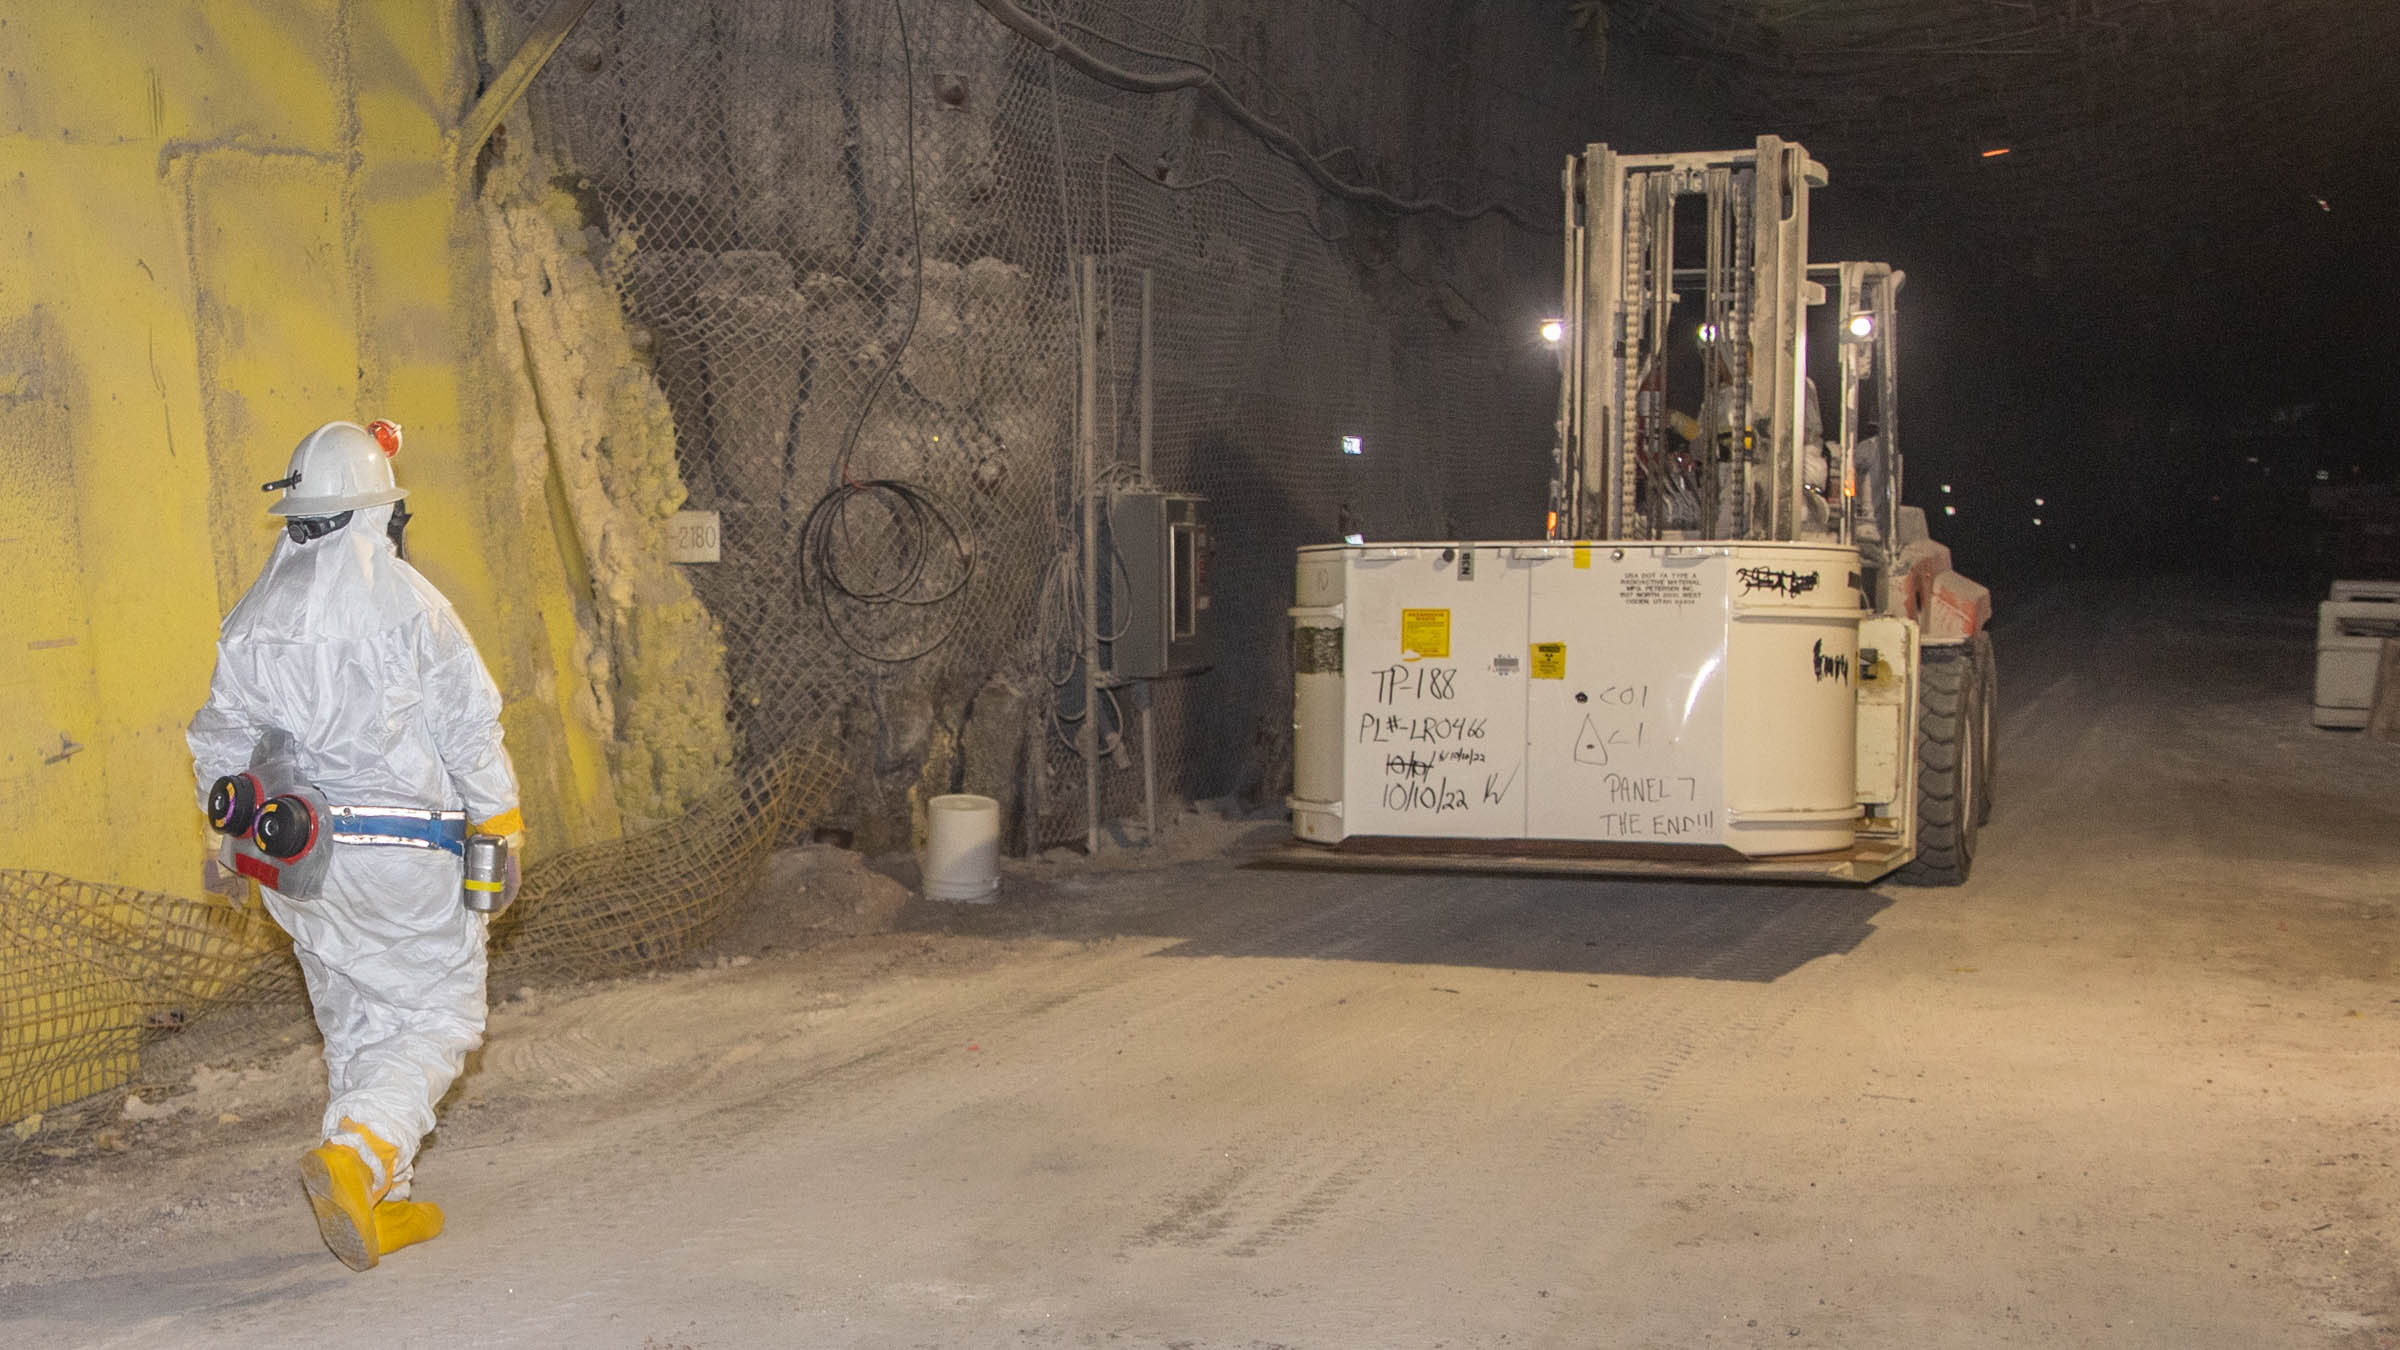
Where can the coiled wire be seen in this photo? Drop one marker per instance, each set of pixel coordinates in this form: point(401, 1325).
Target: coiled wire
point(915, 527)
point(908, 540)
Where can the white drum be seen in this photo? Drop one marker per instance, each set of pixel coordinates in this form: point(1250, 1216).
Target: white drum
point(1628, 694)
point(962, 848)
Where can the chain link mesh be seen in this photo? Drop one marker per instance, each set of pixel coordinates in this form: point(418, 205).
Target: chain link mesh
point(854, 260)
point(92, 974)
point(844, 238)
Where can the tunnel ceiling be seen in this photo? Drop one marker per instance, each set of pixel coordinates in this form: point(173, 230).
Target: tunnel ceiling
point(2198, 197)
point(2139, 134)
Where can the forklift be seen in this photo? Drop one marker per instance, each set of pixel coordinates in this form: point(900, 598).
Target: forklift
point(1733, 653)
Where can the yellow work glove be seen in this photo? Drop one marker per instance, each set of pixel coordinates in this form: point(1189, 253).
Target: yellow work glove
point(516, 850)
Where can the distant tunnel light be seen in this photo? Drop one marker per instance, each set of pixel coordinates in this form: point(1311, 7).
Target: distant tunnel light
point(1949, 510)
point(2039, 502)
point(1862, 325)
point(1354, 445)
point(1945, 487)
point(1708, 332)
point(2037, 520)
point(1554, 331)
point(1996, 152)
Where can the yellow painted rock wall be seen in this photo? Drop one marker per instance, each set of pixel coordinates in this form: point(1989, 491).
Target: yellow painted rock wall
point(228, 221)
point(594, 434)
point(222, 224)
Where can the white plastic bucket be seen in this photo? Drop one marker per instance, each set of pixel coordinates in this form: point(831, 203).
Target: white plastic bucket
point(962, 848)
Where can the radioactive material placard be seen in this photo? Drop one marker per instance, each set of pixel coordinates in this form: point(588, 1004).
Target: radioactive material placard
point(1549, 660)
point(1425, 632)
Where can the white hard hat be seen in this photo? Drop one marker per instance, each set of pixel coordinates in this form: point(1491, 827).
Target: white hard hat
point(339, 467)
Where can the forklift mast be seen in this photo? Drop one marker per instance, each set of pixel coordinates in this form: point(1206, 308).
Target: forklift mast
point(1866, 452)
point(1630, 463)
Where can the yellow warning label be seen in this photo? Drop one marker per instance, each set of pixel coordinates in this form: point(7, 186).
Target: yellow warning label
point(1425, 632)
point(1583, 555)
point(1549, 660)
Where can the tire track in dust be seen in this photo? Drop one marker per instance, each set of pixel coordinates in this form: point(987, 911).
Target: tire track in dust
point(1523, 1093)
point(880, 1085)
point(1306, 1170)
point(1691, 1018)
point(1099, 998)
point(1055, 1027)
point(1424, 1118)
point(1458, 1130)
point(583, 1045)
point(1419, 1115)
point(1192, 1004)
point(1318, 1157)
point(1554, 1130)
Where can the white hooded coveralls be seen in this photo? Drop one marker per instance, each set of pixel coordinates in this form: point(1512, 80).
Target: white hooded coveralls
point(347, 647)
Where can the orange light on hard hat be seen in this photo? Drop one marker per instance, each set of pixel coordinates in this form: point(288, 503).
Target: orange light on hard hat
point(1551, 530)
point(387, 435)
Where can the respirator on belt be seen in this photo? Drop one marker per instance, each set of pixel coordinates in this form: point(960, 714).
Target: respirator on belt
point(282, 833)
point(279, 827)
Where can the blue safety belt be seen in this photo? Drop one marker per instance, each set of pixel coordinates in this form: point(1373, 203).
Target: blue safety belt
point(446, 830)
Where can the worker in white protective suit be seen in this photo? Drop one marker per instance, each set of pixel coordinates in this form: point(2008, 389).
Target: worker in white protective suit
point(350, 663)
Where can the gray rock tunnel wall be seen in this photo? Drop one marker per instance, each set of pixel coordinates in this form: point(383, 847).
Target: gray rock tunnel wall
point(803, 213)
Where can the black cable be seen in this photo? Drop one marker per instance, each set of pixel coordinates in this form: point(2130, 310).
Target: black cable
point(1307, 218)
point(915, 520)
point(1204, 79)
point(916, 236)
point(916, 523)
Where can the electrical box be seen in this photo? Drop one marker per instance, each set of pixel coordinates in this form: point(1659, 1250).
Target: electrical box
point(1157, 583)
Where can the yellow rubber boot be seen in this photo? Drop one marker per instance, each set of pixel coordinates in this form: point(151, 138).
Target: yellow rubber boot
point(385, 1153)
point(342, 1190)
point(404, 1223)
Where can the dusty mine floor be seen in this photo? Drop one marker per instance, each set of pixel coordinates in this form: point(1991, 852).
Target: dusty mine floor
point(2137, 1085)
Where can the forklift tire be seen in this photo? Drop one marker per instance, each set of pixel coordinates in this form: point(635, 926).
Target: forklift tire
point(1949, 714)
point(1987, 763)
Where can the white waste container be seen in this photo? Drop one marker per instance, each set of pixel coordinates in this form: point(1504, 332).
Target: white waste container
point(1636, 694)
point(962, 848)
point(2351, 627)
